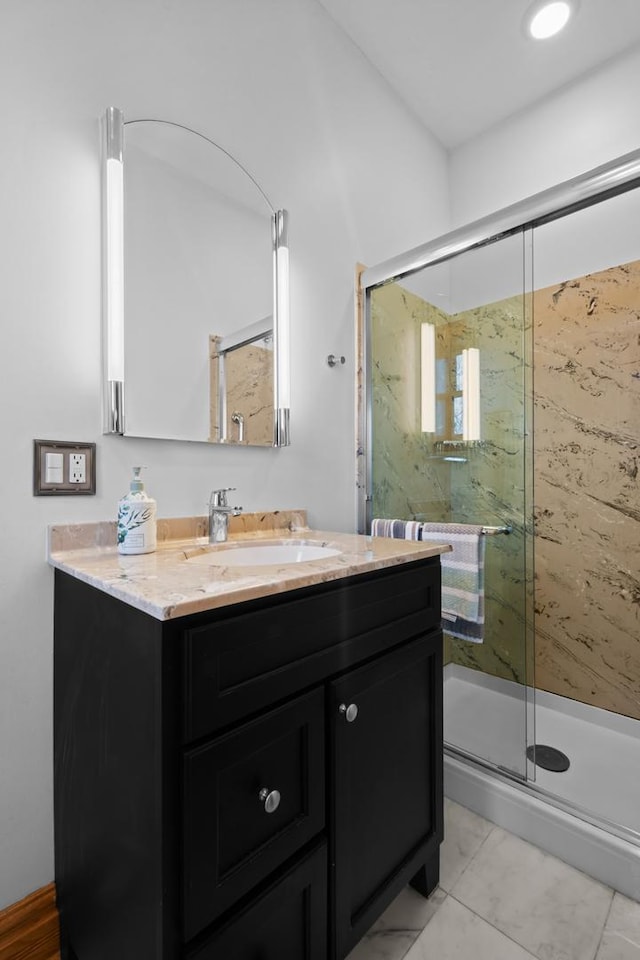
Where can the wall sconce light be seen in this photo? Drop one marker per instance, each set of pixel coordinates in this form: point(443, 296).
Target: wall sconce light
point(471, 394)
point(113, 270)
point(282, 380)
point(428, 378)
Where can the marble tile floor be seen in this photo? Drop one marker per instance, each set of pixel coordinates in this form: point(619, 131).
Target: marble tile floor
point(501, 898)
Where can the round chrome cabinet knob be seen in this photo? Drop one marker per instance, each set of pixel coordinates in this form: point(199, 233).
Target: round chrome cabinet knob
point(270, 798)
point(350, 712)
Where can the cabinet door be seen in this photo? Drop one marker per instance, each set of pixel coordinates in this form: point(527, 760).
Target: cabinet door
point(387, 783)
point(252, 798)
point(287, 921)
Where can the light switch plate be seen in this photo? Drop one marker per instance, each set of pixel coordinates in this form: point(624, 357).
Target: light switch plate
point(53, 468)
point(76, 476)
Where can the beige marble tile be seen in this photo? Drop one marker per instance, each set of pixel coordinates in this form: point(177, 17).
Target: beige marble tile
point(166, 585)
point(267, 520)
point(249, 391)
point(621, 937)
point(464, 834)
point(587, 409)
point(456, 933)
point(586, 460)
point(587, 449)
point(79, 536)
point(552, 910)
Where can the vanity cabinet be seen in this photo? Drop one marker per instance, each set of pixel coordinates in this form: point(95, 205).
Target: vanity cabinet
point(257, 780)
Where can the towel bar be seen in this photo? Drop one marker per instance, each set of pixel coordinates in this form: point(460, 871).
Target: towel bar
point(494, 531)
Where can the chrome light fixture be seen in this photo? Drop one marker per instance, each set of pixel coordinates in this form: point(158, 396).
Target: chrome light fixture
point(113, 270)
point(281, 344)
point(545, 19)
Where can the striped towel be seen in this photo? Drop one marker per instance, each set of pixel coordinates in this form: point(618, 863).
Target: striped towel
point(398, 529)
point(462, 578)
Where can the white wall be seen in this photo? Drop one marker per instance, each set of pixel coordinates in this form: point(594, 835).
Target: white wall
point(276, 83)
point(584, 125)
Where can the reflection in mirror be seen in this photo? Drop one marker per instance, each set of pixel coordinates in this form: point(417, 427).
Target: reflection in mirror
point(241, 385)
point(202, 260)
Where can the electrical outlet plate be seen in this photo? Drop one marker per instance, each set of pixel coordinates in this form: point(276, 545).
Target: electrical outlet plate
point(78, 474)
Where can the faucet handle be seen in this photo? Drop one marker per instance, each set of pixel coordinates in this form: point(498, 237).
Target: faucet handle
point(218, 498)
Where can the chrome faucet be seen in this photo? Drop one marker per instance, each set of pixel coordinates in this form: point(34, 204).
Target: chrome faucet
point(238, 419)
point(219, 513)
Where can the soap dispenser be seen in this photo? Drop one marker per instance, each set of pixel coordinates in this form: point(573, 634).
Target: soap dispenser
point(136, 519)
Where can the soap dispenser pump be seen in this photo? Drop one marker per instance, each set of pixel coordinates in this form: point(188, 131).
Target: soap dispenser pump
point(136, 519)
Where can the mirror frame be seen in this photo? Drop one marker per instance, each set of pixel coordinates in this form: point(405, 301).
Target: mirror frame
point(113, 307)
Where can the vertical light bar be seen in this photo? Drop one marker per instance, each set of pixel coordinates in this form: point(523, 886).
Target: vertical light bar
point(465, 396)
point(471, 394)
point(474, 393)
point(113, 270)
point(222, 397)
point(281, 346)
point(428, 378)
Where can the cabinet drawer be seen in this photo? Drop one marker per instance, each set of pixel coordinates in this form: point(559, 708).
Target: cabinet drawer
point(231, 842)
point(288, 921)
point(239, 664)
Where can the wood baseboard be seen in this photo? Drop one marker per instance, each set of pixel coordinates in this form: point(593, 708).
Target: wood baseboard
point(29, 929)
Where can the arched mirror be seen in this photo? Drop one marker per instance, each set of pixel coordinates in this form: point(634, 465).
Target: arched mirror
point(195, 291)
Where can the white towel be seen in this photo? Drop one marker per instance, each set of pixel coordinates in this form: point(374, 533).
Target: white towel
point(462, 578)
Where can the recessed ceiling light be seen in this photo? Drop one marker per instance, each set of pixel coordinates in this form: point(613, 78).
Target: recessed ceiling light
point(545, 19)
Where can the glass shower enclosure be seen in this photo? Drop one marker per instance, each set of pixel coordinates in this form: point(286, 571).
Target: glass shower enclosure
point(450, 337)
point(450, 348)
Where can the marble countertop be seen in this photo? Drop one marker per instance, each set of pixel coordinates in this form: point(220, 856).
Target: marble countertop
point(166, 585)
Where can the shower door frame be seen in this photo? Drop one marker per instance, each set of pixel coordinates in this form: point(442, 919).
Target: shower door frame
point(601, 183)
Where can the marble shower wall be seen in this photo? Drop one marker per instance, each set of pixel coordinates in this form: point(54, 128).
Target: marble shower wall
point(408, 479)
point(586, 358)
point(249, 380)
point(587, 491)
point(412, 478)
point(491, 489)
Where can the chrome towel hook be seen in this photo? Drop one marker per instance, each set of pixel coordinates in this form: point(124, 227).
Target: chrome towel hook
point(333, 361)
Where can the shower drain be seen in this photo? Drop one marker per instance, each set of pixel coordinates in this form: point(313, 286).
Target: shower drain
point(548, 757)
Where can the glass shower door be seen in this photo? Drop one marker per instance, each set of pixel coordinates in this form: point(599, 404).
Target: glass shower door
point(449, 426)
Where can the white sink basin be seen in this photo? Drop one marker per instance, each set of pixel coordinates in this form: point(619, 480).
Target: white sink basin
point(266, 553)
